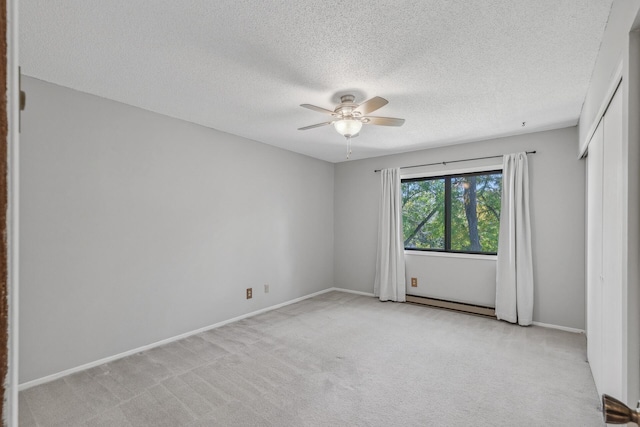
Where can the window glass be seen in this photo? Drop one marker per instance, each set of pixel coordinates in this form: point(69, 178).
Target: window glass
point(454, 213)
point(423, 214)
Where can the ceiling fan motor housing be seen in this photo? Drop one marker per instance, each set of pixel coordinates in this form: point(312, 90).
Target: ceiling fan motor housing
point(347, 107)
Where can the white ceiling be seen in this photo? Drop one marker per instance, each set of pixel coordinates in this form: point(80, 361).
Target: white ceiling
point(455, 70)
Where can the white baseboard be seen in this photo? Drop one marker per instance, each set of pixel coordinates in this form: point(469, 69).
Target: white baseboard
point(89, 365)
point(366, 294)
point(562, 328)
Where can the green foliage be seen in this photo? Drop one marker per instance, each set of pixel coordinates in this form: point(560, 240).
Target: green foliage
point(423, 214)
point(475, 213)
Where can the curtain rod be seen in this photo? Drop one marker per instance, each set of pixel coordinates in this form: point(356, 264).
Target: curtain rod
point(455, 161)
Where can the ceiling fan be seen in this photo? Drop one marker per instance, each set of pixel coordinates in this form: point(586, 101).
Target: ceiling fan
point(348, 117)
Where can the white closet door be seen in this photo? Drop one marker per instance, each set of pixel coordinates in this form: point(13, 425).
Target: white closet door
point(594, 254)
point(606, 313)
point(613, 315)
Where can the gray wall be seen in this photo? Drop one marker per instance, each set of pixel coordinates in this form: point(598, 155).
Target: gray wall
point(466, 279)
point(557, 184)
point(136, 227)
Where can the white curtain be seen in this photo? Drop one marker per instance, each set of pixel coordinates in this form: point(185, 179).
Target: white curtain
point(514, 278)
point(389, 283)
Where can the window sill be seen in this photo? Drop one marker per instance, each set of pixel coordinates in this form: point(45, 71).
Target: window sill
point(452, 255)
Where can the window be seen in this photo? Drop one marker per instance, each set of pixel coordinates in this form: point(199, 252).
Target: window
point(453, 213)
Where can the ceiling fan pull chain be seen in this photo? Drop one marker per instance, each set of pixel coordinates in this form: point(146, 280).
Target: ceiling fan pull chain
point(348, 146)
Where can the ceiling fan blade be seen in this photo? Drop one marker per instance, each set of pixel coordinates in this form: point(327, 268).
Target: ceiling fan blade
point(371, 105)
point(315, 126)
point(319, 109)
point(383, 121)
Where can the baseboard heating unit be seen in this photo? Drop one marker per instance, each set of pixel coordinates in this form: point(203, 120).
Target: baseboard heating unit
point(456, 306)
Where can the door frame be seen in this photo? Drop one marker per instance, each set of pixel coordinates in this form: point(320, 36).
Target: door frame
point(9, 161)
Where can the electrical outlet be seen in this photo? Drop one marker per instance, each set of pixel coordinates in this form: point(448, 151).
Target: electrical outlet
point(266, 289)
point(414, 282)
point(249, 293)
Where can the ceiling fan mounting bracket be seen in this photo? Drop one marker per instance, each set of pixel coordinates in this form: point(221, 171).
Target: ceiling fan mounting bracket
point(344, 99)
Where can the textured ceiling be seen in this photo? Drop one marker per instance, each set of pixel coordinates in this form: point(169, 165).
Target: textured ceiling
point(455, 70)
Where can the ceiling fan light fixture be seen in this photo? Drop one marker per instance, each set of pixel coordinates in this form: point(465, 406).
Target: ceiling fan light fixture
point(348, 127)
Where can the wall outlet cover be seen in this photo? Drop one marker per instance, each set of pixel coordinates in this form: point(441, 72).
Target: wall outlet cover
point(249, 293)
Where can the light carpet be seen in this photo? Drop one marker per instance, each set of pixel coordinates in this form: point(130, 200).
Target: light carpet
point(337, 359)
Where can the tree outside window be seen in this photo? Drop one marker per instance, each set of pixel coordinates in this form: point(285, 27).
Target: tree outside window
point(453, 213)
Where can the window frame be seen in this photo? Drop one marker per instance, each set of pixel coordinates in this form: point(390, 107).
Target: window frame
point(448, 176)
